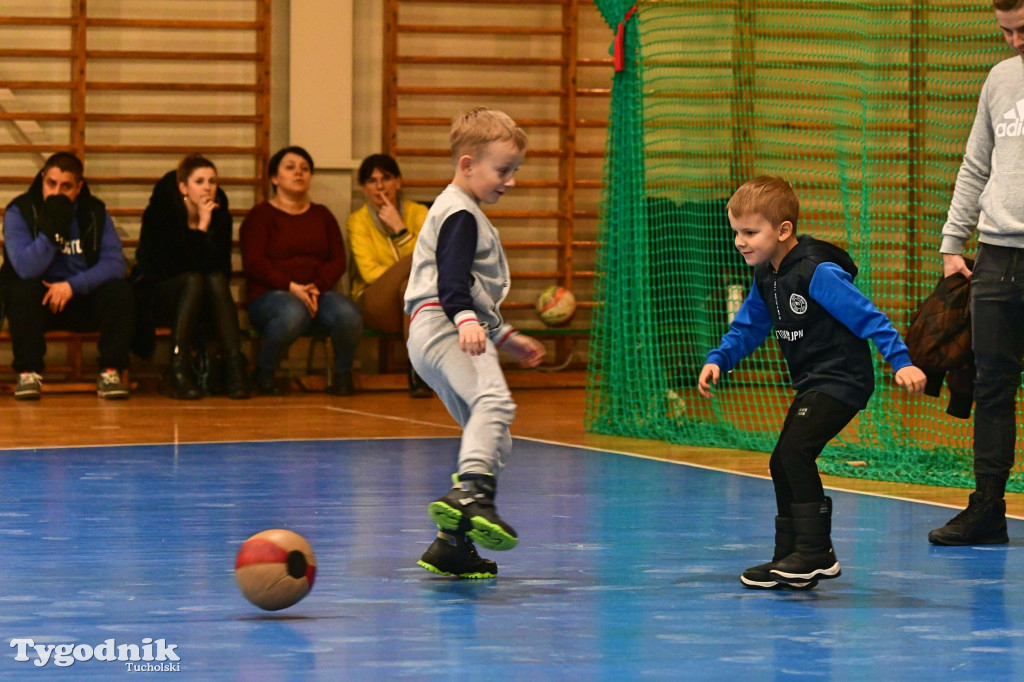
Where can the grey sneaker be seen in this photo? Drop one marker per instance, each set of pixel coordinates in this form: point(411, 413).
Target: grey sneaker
point(109, 386)
point(30, 386)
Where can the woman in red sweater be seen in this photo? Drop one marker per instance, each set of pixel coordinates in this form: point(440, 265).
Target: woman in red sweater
point(293, 256)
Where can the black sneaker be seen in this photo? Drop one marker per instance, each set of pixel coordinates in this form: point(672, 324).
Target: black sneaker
point(454, 554)
point(469, 506)
point(30, 386)
point(982, 523)
point(759, 578)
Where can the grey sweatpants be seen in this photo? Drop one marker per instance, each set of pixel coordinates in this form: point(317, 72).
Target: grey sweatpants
point(472, 388)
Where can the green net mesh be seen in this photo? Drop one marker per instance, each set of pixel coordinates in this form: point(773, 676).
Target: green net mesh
point(865, 108)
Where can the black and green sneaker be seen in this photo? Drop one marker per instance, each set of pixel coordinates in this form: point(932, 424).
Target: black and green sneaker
point(469, 506)
point(454, 554)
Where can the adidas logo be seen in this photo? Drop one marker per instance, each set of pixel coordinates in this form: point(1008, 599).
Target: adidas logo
point(1013, 122)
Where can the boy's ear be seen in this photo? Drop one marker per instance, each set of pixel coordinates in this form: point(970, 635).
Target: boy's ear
point(785, 230)
point(465, 163)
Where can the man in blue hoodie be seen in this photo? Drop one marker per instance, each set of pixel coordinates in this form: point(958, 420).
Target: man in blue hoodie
point(64, 269)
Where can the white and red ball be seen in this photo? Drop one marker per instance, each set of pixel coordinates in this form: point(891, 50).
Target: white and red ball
point(275, 569)
point(555, 306)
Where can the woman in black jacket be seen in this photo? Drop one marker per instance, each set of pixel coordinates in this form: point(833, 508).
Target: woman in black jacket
point(182, 278)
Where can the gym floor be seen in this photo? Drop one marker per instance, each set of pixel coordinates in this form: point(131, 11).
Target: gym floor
point(120, 521)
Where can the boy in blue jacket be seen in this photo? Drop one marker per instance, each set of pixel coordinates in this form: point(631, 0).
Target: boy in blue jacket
point(803, 288)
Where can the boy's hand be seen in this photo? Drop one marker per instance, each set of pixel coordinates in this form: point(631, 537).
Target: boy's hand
point(708, 376)
point(526, 349)
point(911, 378)
point(472, 338)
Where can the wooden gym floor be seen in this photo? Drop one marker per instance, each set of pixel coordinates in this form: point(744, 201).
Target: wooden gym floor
point(543, 413)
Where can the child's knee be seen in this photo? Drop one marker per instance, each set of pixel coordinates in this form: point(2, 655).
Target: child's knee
point(499, 405)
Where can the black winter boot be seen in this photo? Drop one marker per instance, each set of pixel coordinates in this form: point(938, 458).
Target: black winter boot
point(813, 557)
point(469, 506)
point(236, 382)
point(759, 578)
point(982, 523)
point(454, 554)
point(179, 381)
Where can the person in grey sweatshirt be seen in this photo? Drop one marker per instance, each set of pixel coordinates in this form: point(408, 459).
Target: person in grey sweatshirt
point(989, 196)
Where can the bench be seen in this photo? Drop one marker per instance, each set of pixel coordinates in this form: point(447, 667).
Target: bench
point(76, 378)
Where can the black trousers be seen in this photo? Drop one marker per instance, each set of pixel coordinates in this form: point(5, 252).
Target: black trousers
point(997, 327)
point(108, 309)
point(813, 420)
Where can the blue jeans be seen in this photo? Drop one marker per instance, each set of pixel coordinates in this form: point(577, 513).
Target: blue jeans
point(997, 327)
point(281, 318)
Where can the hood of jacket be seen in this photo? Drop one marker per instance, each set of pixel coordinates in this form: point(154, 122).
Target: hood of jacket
point(819, 251)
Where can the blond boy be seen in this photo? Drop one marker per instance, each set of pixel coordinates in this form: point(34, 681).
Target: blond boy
point(459, 279)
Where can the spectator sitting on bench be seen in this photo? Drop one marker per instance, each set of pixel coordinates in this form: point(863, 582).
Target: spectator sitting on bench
point(64, 269)
point(292, 257)
point(382, 235)
point(182, 279)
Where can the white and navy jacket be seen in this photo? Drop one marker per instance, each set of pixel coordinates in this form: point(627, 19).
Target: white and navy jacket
point(459, 265)
point(821, 323)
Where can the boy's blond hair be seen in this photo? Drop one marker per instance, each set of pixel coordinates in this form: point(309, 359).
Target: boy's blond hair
point(474, 130)
point(769, 197)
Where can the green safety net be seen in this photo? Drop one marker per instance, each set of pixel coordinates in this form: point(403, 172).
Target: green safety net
point(865, 107)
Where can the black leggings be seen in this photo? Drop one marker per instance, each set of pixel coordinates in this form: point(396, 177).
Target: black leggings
point(813, 420)
point(200, 308)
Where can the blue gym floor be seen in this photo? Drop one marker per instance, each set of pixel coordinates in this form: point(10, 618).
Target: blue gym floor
point(627, 568)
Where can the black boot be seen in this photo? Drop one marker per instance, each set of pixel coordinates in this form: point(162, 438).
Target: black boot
point(759, 578)
point(210, 372)
point(179, 381)
point(469, 505)
point(813, 556)
point(454, 554)
point(982, 523)
point(417, 387)
point(236, 382)
point(235, 364)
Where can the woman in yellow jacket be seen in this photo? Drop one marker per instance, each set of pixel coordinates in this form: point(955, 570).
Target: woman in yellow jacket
point(382, 236)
